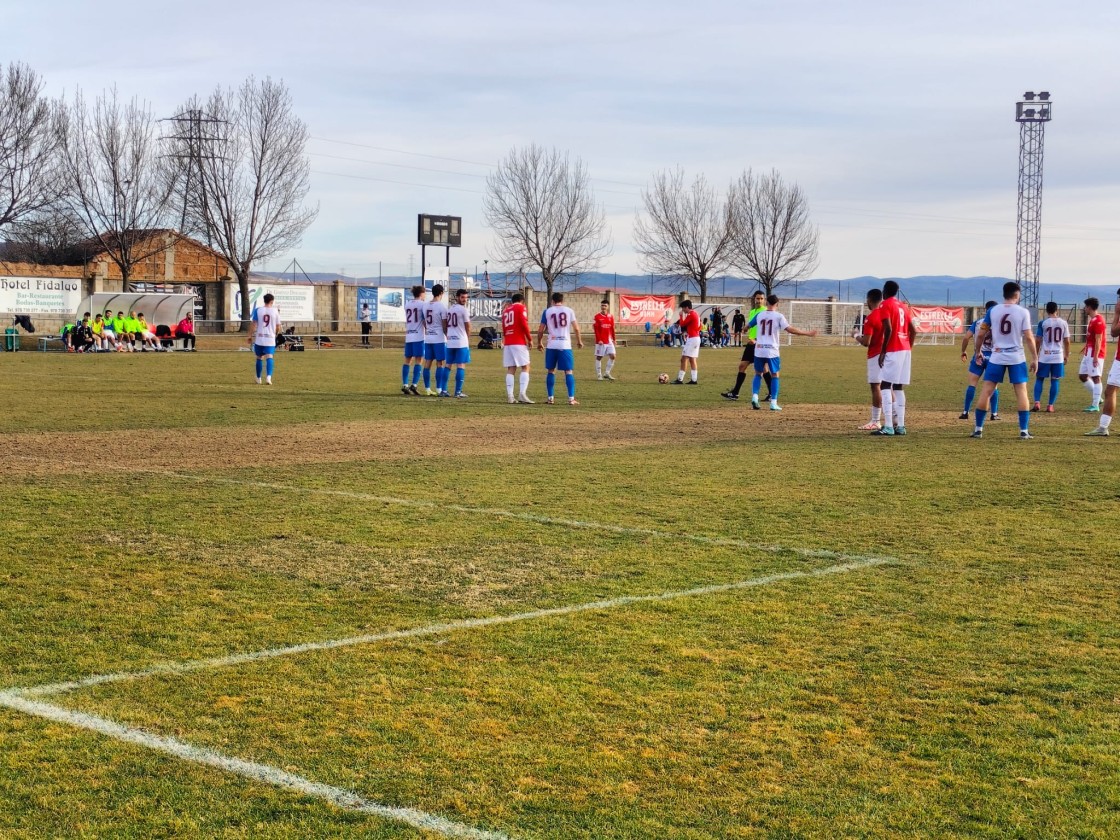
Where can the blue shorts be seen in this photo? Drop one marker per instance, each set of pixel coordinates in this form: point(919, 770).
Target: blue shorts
point(1016, 374)
point(1051, 370)
point(558, 359)
point(435, 352)
point(772, 364)
point(458, 355)
point(414, 349)
point(262, 350)
point(977, 369)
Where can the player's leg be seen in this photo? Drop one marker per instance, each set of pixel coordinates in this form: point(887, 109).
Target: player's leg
point(745, 361)
point(995, 404)
point(1057, 373)
point(406, 368)
point(775, 382)
point(760, 368)
point(598, 365)
point(568, 365)
point(611, 356)
point(268, 366)
point(695, 372)
point(1096, 391)
point(684, 366)
point(993, 375)
point(1113, 386)
point(523, 381)
point(511, 373)
point(259, 355)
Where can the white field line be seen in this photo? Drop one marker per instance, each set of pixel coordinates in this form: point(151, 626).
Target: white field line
point(173, 668)
point(339, 797)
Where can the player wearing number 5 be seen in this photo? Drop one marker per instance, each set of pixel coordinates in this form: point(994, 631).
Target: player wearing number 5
point(560, 322)
point(1010, 327)
point(771, 324)
point(266, 324)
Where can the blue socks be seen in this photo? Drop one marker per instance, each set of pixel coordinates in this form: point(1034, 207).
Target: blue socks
point(1038, 388)
point(1024, 420)
point(570, 381)
point(969, 394)
point(268, 365)
point(260, 366)
point(755, 383)
point(995, 401)
point(404, 373)
point(416, 369)
point(550, 384)
point(427, 379)
point(980, 415)
point(1055, 384)
point(775, 384)
point(460, 375)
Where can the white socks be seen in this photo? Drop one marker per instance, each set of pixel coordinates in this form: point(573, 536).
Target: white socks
point(610, 364)
point(888, 407)
point(1106, 419)
point(680, 376)
point(899, 408)
point(875, 414)
point(524, 382)
point(599, 366)
point(694, 373)
point(509, 385)
point(1096, 393)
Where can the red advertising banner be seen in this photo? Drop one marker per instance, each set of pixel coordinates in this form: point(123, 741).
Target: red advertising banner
point(939, 319)
point(637, 309)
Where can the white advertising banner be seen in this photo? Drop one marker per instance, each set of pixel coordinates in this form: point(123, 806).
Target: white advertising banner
point(390, 305)
point(39, 296)
point(296, 303)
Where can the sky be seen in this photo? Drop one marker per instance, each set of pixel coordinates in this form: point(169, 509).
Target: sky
point(896, 118)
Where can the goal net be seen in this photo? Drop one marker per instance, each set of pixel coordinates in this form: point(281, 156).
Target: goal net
point(834, 321)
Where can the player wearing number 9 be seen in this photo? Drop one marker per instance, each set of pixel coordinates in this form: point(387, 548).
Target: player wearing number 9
point(266, 324)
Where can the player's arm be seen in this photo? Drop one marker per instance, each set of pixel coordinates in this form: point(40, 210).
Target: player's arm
point(888, 331)
point(981, 335)
point(540, 335)
point(798, 331)
point(579, 338)
point(1065, 348)
point(964, 343)
point(253, 331)
point(467, 326)
point(1028, 342)
point(1116, 319)
point(1098, 338)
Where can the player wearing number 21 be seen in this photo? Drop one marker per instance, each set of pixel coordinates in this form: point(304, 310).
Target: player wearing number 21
point(266, 324)
point(1012, 342)
point(771, 324)
point(560, 322)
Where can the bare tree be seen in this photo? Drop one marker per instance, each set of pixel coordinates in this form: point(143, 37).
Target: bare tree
point(688, 235)
point(775, 240)
point(245, 174)
point(28, 175)
point(48, 237)
point(540, 204)
point(119, 186)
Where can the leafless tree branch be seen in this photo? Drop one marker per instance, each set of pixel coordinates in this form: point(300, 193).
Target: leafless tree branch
point(29, 179)
point(775, 239)
point(542, 210)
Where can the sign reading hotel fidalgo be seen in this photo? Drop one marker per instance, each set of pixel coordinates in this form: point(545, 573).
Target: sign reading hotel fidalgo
point(40, 295)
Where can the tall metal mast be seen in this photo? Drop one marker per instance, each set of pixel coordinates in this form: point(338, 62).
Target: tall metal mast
point(1032, 114)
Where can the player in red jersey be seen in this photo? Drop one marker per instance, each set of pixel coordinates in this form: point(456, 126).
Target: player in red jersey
point(1113, 380)
point(1092, 357)
point(604, 341)
point(689, 322)
point(894, 359)
point(516, 341)
point(871, 337)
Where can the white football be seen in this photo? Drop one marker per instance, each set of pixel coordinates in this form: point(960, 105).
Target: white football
point(663, 378)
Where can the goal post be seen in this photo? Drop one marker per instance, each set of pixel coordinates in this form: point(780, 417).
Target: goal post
point(834, 321)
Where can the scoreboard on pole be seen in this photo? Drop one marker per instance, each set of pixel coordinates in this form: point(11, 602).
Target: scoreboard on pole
point(440, 230)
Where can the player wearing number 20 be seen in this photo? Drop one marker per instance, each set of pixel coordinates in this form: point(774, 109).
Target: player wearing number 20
point(266, 323)
point(459, 340)
point(1012, 341)
point(560, 322)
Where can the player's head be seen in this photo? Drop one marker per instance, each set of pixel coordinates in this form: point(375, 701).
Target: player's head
point(418, 291)
point(890, 289)
point(437, 290)
point(686, 305)
point(604, 306)
point(772, 300)
point(557, 297)
point(268, 299)
point(120, 313)
point(1092, 305)
point(1052, 308)
point(1010, 290)
point(517, 297)
point(874, 298)
point(461, 295)
point(139, 315)
point(757, 298)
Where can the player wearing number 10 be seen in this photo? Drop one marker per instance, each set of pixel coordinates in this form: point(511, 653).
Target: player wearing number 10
point(1010, 327)
point(560, 321)
point(266, 323)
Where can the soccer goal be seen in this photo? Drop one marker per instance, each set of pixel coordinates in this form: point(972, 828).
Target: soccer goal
point(834, 321)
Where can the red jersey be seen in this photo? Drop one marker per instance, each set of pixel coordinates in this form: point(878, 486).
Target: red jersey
point(604, 328)
point(690, 324)
point(898, 316)
point(873, 329)
point(515, 325)
point(1096, 327)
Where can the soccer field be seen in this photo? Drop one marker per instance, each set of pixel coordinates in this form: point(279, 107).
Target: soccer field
point(324, 609)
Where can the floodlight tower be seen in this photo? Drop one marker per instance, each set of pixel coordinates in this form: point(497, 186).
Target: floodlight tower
point(1032, 114)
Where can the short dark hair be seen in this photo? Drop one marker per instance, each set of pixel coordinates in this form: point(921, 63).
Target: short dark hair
point(989, 304)
point(604, 303)
point(268, 299)
point(417, 291)
point(874, 296)
point(1051, 307)
point(1009, 289)
point(1093, 303)
point(890, 288)
point(557, 297)
point(686, 304)
point(437, 290)
point(460, 292)
point(516, 297)
point(772, 300)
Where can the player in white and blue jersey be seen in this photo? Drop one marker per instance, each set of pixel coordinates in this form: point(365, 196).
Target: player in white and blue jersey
point(266, 325)
point(560, 322)
point(435, 343)
point(1012, 343)
point(976, 366)
point(413, 341)
point(459, 340)
point(1053, 352)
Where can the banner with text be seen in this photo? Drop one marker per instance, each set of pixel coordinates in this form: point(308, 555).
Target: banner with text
point(39, 296)
point(939, 319)
point(484, 308)
point(296, 303)
point(638, 309)
point(390, 305)
point(367, 303)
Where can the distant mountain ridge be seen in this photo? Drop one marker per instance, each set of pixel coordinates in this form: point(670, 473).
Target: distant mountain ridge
point(925, 289)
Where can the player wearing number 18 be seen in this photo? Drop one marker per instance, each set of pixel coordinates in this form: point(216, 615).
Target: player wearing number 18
point(560, 322)
point(1012, 342)
point(266, 324)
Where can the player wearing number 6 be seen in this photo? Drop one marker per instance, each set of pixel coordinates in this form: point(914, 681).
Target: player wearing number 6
point(266, 324)
point(1010, 327)
point(771, 324)
point(560, 322)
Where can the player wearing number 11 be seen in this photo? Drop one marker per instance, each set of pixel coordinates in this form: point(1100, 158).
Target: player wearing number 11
point(1012, 342)
point(560, 321)
point(770, 324)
